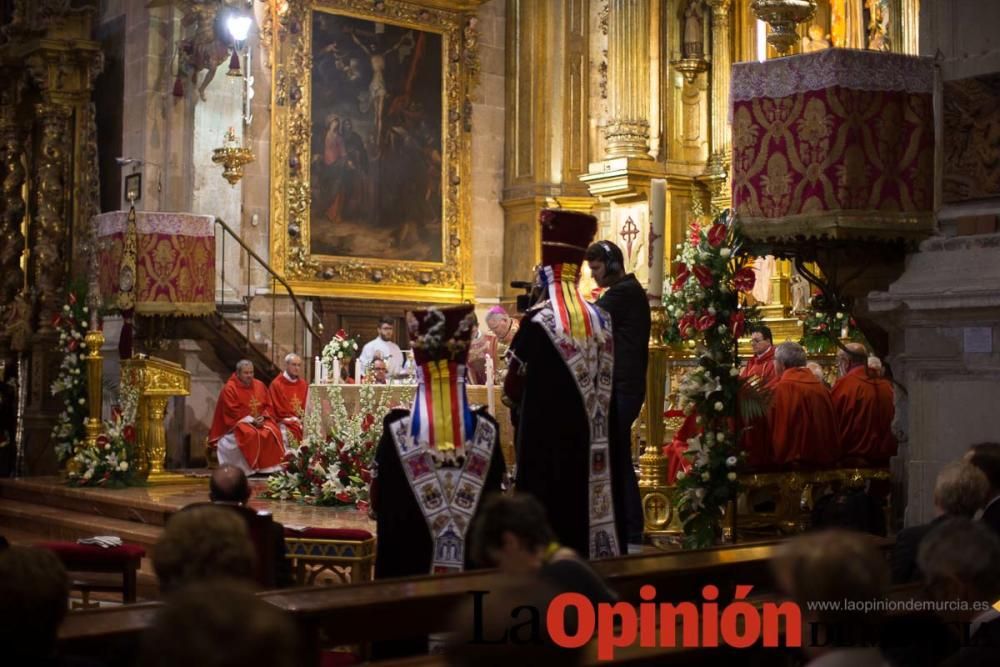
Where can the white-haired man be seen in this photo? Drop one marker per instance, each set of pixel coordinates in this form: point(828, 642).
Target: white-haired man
point(801, 418)
point(288, 394)
point(243, 429)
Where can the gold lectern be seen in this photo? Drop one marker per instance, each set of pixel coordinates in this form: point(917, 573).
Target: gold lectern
point(157, 380)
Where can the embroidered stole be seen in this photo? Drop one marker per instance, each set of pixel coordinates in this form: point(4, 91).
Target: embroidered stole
point(591, 362)
point(447, 496)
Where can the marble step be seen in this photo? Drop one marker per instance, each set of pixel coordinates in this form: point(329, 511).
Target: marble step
point(54, 523)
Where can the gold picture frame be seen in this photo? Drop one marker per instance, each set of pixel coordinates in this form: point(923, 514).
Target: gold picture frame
point(330, 251)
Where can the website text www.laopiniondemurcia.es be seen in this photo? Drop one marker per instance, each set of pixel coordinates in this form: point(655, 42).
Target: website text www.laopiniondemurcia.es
point(738, 624)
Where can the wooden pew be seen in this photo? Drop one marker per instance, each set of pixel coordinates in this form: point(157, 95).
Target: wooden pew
point(379, 610)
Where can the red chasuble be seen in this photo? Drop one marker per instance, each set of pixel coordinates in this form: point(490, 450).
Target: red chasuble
point(288, 400)
point(261, 445)
point(762, 367)
point(802, 422)
point(864, 407)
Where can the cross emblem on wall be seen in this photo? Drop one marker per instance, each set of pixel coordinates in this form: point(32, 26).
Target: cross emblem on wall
point(629, 232)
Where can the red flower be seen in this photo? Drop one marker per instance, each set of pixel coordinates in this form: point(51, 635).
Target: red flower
point(366, 476)
point(363, 505)
point(737, 323)
point(695, 232)
point(72, 345)
point(822, 326)
point(342, 474)
point(682, 276)
point(716, 235)
point(72, 298)
point(102, 440)
point(340, 334)
point(129, 434)
point(367, 422)
point(704, 276)
point(745, 279)
point(705, 322)
point(686, 325)
point(343, 497)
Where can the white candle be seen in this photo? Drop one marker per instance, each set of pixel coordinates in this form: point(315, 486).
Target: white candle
point(490, 387)
point(336, 371)
point(357, 372)
point(317, 373)
point(657, 224)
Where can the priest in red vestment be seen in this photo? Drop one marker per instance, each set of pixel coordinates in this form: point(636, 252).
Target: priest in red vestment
point(801, 419)
point(243, 429)
point(288, 400)
point(863, 403)
point(761, 364)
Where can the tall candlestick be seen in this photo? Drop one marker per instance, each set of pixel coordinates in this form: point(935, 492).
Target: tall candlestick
point(490, 386)
point(657, 223)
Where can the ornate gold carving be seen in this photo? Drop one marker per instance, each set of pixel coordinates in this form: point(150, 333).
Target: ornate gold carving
point(233, 157)
point(12, 207)
point(783, 16)
point(627, 132)
point(449, 280)
point(49, 231)
point(157, 380)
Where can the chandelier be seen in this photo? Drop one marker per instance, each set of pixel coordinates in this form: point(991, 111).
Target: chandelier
point(782, 16)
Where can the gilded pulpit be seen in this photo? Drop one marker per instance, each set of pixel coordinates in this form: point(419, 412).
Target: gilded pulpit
point(157, 380)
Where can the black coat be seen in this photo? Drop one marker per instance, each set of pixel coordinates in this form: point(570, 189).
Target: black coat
point(628, 306)
point(904, 553)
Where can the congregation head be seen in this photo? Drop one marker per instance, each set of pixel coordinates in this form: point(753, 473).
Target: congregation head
point(34, 595)
point(986, 457)
point(511, 532)
point(220, 623)
point(606, 262)
point(960, 560)
point(229, 484)
point(201, 543)
point(961, 489)
point(852, 355)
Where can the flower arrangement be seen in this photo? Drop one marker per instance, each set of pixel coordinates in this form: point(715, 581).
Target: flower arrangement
point(340, 347)
point(705, 303)
point(823, 326)
point(334, 468)
point(71, 382)
point(111, 463)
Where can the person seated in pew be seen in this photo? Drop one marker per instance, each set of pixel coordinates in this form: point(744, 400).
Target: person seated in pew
point(801, 424)
point(959, 491)
point(34, 598)
point(200, 544)
point(834, 565)
point(229, 486)
point(513, 534)
point(863, 403)
point(220, 623)
point(243, 428)
point(960, 562)
point(986, 457)
point(288, 393)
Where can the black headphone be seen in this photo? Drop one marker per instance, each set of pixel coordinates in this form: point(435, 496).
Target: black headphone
point(613, 258)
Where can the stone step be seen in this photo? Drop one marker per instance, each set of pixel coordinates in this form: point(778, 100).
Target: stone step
point(53, 523)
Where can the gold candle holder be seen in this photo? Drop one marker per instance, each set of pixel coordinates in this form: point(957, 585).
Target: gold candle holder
point(783, 16)
point(95, 371)
point(233, 157)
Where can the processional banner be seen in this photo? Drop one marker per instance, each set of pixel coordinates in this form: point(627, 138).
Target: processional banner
point(834, 140)
point(175, 261)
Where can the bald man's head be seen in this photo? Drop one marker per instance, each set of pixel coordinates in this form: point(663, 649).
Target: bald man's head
point(229, 485)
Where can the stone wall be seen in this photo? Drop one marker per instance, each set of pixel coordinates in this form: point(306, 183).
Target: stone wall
point(943, 313)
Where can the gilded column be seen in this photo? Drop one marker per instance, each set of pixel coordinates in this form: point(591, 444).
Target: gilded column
point(12, 209)
point(718, 164)
point(49, 231)
point(627, 131)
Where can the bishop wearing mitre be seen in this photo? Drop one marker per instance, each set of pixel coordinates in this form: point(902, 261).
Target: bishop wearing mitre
point(243, 428)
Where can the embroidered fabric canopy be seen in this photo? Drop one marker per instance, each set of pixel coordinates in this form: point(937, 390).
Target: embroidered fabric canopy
point(836, 144)
point(175, 261)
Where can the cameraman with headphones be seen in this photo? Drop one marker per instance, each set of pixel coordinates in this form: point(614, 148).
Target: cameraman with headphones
point(625, 301)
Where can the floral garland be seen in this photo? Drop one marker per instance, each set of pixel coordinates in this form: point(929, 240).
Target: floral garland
point(111, 463)
point(334, 469)
point(71, 383)
point(823, 326)
point(705, 303)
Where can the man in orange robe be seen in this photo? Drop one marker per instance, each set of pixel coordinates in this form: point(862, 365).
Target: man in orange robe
point(288, 399)
point(801, 420)
point(243, 429)
point(759, 370)
point(863, 404)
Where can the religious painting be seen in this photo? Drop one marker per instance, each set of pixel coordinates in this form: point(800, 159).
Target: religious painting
point(370, 149)
point(971, 138)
